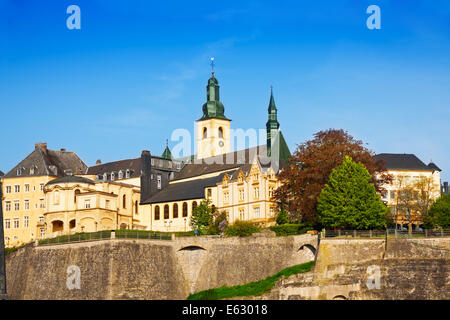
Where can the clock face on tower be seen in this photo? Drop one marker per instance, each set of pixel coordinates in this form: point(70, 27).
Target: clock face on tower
point(221, 144)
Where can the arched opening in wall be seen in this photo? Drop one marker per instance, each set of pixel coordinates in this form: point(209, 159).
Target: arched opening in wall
point(339, 297)
point(185, 209)
point(220, 132)
point(57, 225)
point(310, 247)
point(156, 212)
point(166, 211)
point(77, 192)
point(192, 248)
point(194, 205)
point(123, 226)
point(136, 207)
point(205, 133)
point(175, 210)
point(124, 201)
point(72, 224)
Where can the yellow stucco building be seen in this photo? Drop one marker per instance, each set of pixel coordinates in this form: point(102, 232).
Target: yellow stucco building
point(24, 202)
point(240, 183)
point(410, 176)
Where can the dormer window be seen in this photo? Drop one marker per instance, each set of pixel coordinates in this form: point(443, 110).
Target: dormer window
point(105, 176)
point(153, 162)
point(127, 174)
point(19, 172)
point(112, 176)
point(32, 170)
point(120, 174)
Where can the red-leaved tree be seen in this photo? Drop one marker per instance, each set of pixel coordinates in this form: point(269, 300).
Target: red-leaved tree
point(310, 166)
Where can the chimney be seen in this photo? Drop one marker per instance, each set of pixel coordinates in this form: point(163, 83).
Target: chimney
point(98, 162)
point(146, 168)
point(63, 149)
point(41, 145)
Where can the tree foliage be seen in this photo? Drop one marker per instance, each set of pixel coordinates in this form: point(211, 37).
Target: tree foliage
point(202, 216)
point(349, 200)
point(310, 167)
point(439, 213)
point(282, 217)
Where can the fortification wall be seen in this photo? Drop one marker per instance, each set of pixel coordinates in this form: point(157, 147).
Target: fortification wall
point(373, 269)
point(149, 269)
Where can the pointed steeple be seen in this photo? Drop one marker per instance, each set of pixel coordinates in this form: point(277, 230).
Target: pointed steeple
point(272, 125)
point(167, 154)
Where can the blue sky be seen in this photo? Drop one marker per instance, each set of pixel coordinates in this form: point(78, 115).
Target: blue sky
point(137, 70)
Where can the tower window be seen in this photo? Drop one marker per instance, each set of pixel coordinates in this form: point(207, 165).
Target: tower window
point(220, 132)
point(205, 133)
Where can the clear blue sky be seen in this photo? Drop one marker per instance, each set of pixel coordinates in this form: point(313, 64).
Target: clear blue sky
point(137, 70)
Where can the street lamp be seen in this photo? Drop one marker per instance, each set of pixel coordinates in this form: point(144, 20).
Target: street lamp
point(3, 295)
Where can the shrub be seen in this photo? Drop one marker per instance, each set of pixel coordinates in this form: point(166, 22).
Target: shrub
point(282, 217)
point(242, 229)
point(290, 229)
point(220, 223)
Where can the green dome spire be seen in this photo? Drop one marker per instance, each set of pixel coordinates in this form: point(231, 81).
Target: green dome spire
point(213, 108)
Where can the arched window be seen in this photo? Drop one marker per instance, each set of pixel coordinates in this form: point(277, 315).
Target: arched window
point(156, 212)
point(194, 205)
point(127, 174)
point(205, 133)
point(175, 210)
point(220, 132)
point(124, 201)
point(77, 192)
point(166, 211)
point(185, 209)
point(105, 176)
point(120, 174)
point(112, 176)
point(136, 207)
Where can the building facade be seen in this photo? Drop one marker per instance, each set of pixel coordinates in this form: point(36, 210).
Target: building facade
point(24, 203)
point(414, 187)
point(240, 183)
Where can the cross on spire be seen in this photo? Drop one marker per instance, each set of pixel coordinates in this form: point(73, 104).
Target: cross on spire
point(212, 65)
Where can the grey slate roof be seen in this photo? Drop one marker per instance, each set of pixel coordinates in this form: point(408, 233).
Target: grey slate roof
point(134, 165)
point(192, 189)
point(432, 166)
point(1, 173)
point(402, 161)
point(71, 179)
point(237, 159)
point(48, 162)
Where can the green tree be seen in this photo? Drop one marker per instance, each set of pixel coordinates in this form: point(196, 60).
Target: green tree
point(282, 217)
point(439, 213)
point(349, 199)
point(202, 217)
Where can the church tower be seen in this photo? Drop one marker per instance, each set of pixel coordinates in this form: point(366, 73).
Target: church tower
point(213, 128)
point(272, 125)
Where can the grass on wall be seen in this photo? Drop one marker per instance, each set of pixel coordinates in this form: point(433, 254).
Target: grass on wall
point(256, 288)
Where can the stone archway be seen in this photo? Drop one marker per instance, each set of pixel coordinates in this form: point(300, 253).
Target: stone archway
point(191, 259)
point(310, 247)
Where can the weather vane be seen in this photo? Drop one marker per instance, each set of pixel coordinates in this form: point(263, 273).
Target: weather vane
point(212, 65)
